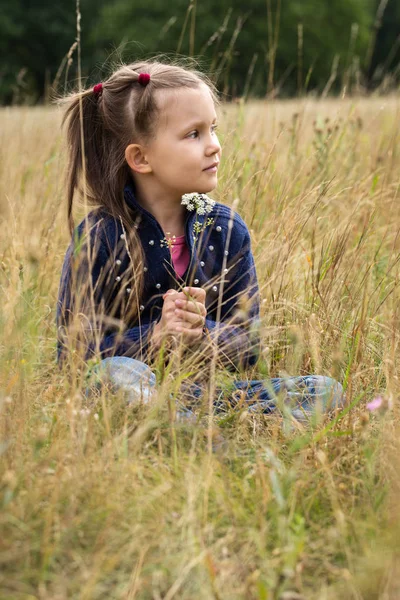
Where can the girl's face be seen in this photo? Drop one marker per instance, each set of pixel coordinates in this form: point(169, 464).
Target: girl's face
point(185, 152)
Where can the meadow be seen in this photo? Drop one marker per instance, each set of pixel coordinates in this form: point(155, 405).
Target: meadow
point(112, 501)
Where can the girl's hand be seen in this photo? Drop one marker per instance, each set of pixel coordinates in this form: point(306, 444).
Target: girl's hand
point(190, 307)
point(182, 318)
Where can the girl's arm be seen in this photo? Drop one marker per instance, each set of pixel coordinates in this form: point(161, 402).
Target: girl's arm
point(90, 304)
point(237, 332)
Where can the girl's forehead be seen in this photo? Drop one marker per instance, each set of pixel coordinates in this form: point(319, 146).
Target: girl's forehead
point(185, 104)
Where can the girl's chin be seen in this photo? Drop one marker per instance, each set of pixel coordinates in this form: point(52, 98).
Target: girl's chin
point(208, 188)
point(202, 189)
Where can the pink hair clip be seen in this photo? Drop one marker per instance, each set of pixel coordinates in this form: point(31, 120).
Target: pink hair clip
point(98, 89)
point(144, 79)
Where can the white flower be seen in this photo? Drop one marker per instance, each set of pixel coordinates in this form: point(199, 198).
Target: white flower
point(203, 205)
point(199, 202)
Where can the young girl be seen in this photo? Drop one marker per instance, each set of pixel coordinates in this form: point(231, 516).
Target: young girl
point(158, 262)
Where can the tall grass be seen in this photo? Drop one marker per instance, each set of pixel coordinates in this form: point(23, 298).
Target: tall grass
point(101, 500)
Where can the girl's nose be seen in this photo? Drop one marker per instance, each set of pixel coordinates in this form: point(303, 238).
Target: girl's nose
point(214, 147)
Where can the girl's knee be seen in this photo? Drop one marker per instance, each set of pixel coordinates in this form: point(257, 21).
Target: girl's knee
point(127, 367)
point(132, 376)
point(331, 390)
point(321, 394)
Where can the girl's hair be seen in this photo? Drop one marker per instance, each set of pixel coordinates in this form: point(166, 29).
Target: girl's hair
point(101, 125)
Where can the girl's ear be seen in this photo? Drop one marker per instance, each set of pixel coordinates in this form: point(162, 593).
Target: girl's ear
point(136, 158)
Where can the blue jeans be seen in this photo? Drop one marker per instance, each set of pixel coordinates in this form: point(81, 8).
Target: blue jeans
point(303, 395)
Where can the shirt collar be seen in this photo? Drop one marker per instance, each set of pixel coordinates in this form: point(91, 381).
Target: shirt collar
point(130, 199)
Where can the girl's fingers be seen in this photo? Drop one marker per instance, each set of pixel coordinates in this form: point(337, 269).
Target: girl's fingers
point(188, 293)
point(173, 320)
point(195, 292)
point(191, 306)
point(169, 293)
point(195, 319)
point(190, 335)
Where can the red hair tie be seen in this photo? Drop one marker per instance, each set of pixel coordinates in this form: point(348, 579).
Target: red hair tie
point(98, 89)
point(144, 79)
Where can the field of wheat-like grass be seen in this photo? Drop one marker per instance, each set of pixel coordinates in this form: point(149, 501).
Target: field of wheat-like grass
point(103, 500)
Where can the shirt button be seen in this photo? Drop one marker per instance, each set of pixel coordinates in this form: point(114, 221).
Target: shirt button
point(202, 263)
point(196, 281)
point(211, 248)
point(128, 290)
point(158, 285)
point(219, 229)
point(145, 269)
point(141, 307)
point(122, 236)
point(118, 278)
point(214, 288)
point(118, 262)
point(151, 242)
point(226, 252)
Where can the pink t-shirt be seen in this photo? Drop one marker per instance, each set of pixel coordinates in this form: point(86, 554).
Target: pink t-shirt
point(180, 254)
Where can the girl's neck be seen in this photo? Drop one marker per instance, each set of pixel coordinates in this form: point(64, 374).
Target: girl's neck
point(169, 212)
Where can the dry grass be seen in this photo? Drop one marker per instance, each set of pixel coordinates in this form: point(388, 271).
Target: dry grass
point(117, 502)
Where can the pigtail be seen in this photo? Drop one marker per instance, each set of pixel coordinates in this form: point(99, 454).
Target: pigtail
point(81, 118)
point(97, 171)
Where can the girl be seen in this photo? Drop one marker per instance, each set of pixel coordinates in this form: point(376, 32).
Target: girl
point(158, 262)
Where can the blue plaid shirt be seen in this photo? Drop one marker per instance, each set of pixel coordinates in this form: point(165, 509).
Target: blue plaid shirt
point(220, 255)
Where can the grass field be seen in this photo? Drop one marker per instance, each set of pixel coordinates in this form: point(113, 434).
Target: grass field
point(109, 501)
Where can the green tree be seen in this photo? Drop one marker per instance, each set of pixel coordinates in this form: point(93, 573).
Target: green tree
point(340, 29)
point(384, 55)
point(284, 45)
point(33, 38)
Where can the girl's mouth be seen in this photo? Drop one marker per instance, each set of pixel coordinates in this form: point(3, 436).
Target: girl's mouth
point(212, 168)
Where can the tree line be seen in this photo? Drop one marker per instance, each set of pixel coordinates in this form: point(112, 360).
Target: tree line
point(259, 48)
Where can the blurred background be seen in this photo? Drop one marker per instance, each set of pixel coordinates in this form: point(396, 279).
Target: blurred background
point(274, 48)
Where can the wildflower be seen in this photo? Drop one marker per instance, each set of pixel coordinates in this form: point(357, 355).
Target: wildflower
point(168, 241)
point(375, 404)
point(203, 205)
point(198, 202)
point(197, 227)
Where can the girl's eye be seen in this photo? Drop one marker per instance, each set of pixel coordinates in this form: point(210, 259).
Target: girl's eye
point(195, 134)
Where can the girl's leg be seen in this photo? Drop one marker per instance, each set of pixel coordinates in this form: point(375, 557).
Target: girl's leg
point(134, 378)
point(305, 395)
point(131, 376)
